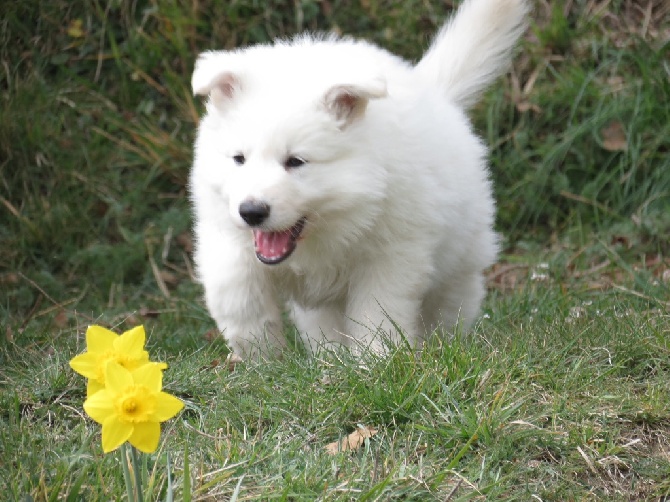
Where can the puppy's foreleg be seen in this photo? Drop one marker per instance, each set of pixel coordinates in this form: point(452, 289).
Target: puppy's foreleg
point(250, 321)
point(239, 296)
point(319, 327)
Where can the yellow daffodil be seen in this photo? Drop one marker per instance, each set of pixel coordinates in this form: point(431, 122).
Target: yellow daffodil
point(103, 345)
point(131, 407)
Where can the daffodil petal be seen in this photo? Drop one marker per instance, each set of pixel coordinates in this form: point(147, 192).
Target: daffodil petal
point(85, 364)
point(99, 406)
point(115, 433)
point(117, 378)
point(99, 339)
point(145, 436)
point(149, 375)
point(131, 342)
point(167, 406)
point(93, 386)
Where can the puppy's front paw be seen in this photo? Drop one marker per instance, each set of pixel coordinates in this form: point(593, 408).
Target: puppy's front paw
point(379, 345)
point(252, 347)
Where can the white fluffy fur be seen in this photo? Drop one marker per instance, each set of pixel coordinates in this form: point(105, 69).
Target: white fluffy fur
point(395, 189)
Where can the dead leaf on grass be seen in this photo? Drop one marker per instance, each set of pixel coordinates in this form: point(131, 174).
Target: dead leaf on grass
point(616, 84)
point(61, 319)
point(233, 360)
point(524, 106)
point(11, 278)
point(520, 96)
point(158, 277)
point(614, 137)
point(506, 276)
point(148, 313)
point(212, 334)
point(353, 441)
point(169, 278)
point(230, 362)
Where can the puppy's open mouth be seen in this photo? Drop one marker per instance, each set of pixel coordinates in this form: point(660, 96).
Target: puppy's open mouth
point(273, 247)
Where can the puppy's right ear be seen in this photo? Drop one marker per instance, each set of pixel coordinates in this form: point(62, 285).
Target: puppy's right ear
point(347, 102)
point(213, 77)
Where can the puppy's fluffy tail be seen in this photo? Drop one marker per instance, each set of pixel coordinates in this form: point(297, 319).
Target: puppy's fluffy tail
point(474, 47)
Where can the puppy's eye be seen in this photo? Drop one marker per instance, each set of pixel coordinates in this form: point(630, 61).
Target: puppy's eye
point(293, 162)
point(239, 159)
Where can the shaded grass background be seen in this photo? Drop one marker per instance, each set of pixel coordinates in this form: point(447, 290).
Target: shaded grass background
point(96, 125)
point(98, 121)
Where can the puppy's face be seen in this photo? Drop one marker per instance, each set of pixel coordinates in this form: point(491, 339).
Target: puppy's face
point(278, 152)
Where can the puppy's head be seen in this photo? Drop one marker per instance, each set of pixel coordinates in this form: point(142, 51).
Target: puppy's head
point(280, 144)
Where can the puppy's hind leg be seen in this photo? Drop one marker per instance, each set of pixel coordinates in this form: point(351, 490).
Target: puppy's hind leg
point(384, 299)
point(452, 305)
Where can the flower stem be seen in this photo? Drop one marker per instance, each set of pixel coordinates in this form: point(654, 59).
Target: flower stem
point(138, 474)
point(126, 472)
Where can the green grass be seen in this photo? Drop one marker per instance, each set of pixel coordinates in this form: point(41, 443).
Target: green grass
point(567, 400)
point(561, 392)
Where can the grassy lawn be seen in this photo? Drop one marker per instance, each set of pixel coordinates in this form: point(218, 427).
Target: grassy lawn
point(560, 392)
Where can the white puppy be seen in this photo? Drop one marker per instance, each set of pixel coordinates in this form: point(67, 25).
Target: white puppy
point(345, 185)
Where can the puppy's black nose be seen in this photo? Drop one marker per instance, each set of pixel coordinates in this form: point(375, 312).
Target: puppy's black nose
point(253, 212)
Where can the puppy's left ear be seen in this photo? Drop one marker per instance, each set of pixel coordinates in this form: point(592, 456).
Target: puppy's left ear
point(347, 102)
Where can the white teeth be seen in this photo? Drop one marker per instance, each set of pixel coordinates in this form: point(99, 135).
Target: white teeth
point(267, 242)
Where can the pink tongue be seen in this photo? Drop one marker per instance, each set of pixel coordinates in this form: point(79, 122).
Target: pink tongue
point(273, 244)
